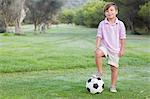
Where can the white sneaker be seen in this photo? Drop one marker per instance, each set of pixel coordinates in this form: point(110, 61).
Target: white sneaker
point(97, 75)
point(113, 89)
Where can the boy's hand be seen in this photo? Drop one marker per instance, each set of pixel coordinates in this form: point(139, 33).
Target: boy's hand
point(95, 49)
point(122, 49)
point(121, 53)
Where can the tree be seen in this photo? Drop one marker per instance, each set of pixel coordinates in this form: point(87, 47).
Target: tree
point(42, 10)
point(21, 17)
point(90, 14)
point(66, 16)
point(144, 12)
point(128, 11)
point(12, 13)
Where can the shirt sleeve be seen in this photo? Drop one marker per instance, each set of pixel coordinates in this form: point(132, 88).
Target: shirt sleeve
point(99, 31)
point(122, 32)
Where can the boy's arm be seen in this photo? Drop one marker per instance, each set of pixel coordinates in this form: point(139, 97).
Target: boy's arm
point(99, 36)
point(98, 41)
point(122, 48)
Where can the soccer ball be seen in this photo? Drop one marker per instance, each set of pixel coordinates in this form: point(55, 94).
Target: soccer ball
point(95, 85)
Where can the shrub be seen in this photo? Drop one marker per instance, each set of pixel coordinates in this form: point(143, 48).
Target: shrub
point(66, 16)
point(90, 14)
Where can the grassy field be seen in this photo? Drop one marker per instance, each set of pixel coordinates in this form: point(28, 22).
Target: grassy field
point(55, 65)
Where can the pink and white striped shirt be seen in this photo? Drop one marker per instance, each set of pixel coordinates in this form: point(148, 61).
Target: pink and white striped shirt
point(111, 34)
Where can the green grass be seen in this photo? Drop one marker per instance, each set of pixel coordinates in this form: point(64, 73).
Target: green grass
point(56, 65)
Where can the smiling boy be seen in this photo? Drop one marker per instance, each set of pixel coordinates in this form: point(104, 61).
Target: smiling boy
point(110, 42)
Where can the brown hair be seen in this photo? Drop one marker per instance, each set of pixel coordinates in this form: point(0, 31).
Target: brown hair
point(109, 4)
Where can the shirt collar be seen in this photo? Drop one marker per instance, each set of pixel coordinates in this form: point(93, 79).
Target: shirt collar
point(116, 21)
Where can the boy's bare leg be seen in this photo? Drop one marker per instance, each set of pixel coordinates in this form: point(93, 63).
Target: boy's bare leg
point(114, 75)
point(98, 60)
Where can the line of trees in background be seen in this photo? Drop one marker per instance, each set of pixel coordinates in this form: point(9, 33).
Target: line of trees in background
point(134, 13)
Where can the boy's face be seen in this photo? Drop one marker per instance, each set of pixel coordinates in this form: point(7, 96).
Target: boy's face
point(111, 12)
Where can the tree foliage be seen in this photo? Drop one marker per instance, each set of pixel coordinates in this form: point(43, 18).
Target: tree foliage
point(42, 10)
point(128, 11)
point(66, 16)
point(89, 15)
point(144, 12)
point(134, 13)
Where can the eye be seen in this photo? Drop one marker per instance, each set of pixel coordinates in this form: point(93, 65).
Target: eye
point(106, 10)
point(111, 10)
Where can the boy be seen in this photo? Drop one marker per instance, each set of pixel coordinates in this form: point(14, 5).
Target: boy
point(110, 42)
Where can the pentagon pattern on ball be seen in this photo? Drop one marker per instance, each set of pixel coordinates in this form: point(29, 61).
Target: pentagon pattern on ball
point(95, 85)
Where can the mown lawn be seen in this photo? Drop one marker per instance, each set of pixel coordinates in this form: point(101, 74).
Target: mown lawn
point(55, 65)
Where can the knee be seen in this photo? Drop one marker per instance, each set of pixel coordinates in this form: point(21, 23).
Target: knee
point(98, 54)
point(114, 69)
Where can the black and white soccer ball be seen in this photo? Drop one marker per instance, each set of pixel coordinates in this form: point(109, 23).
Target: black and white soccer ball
point(95, 85)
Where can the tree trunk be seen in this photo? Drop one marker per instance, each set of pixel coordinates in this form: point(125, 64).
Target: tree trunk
point(17, 27)
point(6, 24)
point(20, 19)
point(131, 25)
point(35, 24)
point(148, 27)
